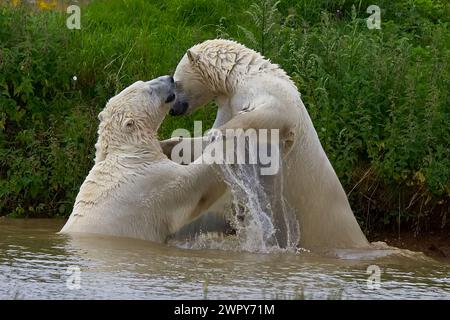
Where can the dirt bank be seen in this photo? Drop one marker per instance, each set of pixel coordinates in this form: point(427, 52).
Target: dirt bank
point(433, 244)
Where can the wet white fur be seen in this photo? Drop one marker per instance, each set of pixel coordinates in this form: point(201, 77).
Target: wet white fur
point(252, 92)
point(133, 189)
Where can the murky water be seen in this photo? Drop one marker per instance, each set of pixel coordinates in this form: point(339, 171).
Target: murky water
point(37, 263)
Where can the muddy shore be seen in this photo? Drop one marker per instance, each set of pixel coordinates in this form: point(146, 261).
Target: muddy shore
point(433, 244)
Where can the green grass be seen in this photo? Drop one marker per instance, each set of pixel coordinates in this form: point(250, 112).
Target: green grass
point(379, 99)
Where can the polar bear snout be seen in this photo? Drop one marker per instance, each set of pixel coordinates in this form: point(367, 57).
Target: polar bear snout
point(170, 98)
point(179, 108)
point(164, 87)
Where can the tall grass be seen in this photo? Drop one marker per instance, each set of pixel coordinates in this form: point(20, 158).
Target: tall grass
point(379, 99)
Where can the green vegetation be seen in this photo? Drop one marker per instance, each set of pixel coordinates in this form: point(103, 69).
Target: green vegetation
point(379, 99)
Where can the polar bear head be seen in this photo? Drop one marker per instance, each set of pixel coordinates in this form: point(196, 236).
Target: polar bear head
point(132, 118)
point(217, 68)
point(207, 70)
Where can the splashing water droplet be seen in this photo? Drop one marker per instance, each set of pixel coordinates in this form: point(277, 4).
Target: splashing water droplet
point(260, 216)
point(263, 220)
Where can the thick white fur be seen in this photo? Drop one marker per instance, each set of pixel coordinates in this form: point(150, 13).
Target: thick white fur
point(252, 92)
point(134, 190)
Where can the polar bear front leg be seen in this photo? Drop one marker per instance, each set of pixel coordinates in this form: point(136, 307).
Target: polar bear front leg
point(169, 144)
point(265, 117)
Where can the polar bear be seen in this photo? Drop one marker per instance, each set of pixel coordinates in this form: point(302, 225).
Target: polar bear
point(252, 92)
point(133, 189)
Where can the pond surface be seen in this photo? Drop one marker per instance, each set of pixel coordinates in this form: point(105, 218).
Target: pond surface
point(37, 263)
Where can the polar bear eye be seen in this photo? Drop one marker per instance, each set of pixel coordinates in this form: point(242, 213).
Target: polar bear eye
point(150, 90)
point(128, 124)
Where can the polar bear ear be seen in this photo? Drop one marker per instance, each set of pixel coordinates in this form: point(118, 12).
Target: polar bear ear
point(128, 124)
point(193, 57)
point(101, 116)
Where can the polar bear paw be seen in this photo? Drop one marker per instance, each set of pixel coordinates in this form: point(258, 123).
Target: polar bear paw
point(213, 135)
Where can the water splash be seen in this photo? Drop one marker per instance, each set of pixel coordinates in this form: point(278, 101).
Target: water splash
point(262, 218)
point(259, 215)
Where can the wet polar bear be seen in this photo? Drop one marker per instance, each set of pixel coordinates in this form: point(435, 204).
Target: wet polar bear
point(134, 190)
point(252, 92)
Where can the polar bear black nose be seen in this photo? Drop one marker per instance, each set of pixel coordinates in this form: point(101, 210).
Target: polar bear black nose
point(179, 108)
